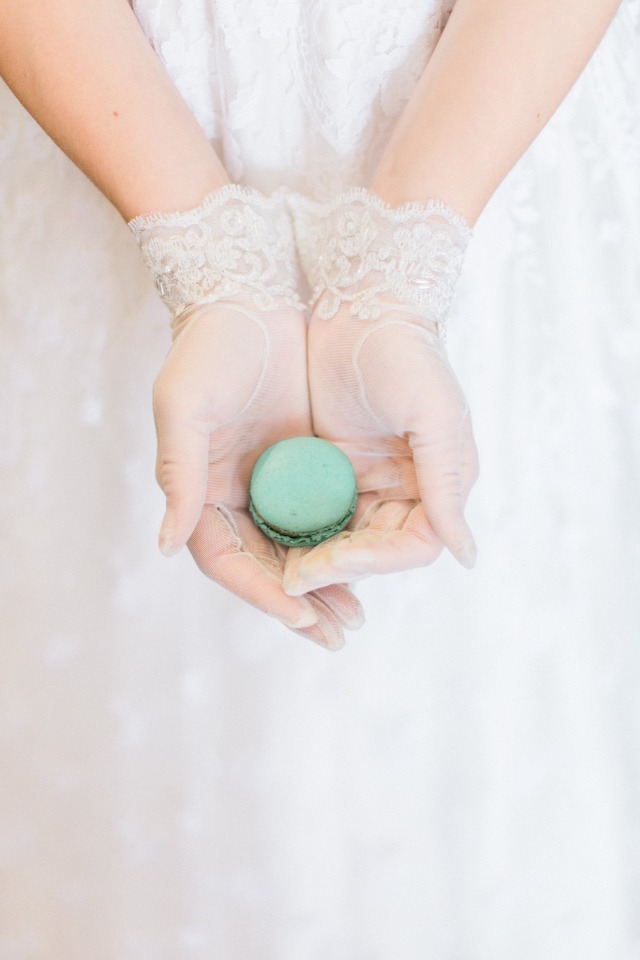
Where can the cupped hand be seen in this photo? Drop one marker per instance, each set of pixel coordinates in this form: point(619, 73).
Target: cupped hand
point(381, 385)
point(383, 391)
point(234, 382)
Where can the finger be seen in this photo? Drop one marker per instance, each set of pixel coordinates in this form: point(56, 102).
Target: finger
point(338, 596)
point(343, 602)
point(443, 491)
point(329, 639)
point(470, 466)
point(181, 471)
point(384, 514)
point(398, 537)
point(254, 575)
point(328, 632)
point(393, 477)
point(334, 608)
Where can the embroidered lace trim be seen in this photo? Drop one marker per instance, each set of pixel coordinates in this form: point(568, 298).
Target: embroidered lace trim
point(357, 249)
point(236, 240)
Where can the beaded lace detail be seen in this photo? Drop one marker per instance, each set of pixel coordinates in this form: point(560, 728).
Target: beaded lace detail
point(236, 240)
point(357, 249)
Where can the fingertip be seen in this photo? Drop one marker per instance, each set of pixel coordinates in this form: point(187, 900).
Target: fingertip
point(354, 620)
point(335, 644)
point(332, 640)
point(294, 587)
point(168, 549)
point(343, 603)
point(467, 554)
point(175, 530)
point(166, 544)
point(453, 531)
point(357, 621)
point(307, 617)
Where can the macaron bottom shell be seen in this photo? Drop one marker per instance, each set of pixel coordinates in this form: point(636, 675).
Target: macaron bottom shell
point(310, 539)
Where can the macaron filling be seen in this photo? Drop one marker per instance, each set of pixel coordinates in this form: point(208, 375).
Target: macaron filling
point(303, 539)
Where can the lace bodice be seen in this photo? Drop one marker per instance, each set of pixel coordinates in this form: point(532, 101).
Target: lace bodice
point(341, 84)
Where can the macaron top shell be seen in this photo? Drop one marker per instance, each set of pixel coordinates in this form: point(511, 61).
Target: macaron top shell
point(302, 486)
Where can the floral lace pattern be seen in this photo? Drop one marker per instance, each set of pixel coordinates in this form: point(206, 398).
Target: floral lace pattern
point(257, 72)
point(359, 250)
point(236, 240)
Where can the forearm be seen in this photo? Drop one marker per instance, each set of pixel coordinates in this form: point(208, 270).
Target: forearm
point(498, 73)
point(85, 71)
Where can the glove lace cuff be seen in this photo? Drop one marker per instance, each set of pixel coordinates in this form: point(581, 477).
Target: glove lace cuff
point(357, 249)
point(236, 240)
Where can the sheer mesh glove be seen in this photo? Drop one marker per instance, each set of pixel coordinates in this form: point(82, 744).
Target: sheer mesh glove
point(381, 385)
point(234, 382)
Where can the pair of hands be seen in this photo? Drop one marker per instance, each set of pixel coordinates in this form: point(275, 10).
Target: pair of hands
point(238, 378)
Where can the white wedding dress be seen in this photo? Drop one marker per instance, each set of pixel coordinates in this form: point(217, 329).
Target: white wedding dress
point(183, 778)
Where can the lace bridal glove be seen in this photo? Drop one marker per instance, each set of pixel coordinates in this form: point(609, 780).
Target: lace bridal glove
point(381, 385)
point(234, 382)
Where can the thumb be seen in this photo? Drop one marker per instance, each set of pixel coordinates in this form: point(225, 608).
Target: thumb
point(439, 468)
point(181, 472)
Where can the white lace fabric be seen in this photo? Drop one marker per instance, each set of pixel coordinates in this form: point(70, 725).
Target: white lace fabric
point(236, 241)
point(357, 249)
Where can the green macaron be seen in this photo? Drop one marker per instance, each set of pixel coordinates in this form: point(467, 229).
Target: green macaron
point(302, 491)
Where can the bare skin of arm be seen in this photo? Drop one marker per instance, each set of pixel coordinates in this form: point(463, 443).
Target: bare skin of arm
point(85, 71)
point(498, 73)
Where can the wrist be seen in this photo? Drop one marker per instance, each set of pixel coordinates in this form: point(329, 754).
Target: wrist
point(398, 181)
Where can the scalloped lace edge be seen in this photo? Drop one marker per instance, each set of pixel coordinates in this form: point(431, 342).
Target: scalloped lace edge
point(186, 218)
point(400, 214)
